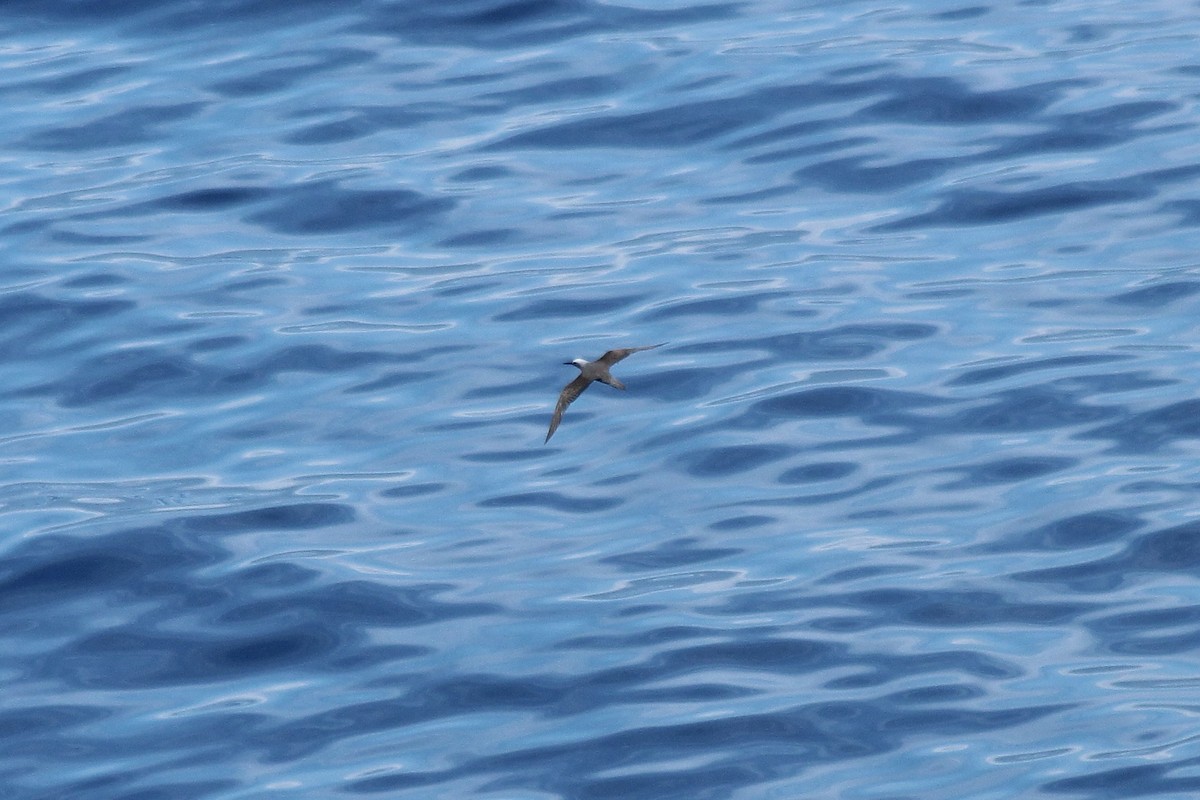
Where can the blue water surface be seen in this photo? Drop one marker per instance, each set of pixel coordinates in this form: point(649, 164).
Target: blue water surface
point(905, 508)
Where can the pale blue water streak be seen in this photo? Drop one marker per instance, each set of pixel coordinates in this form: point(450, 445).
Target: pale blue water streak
point(904, 509)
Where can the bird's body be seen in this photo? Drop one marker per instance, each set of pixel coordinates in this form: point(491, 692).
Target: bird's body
point(589, 372)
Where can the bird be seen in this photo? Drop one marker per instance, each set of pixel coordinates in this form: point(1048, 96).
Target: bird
point(590, 371)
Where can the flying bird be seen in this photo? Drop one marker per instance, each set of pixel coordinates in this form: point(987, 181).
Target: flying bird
point(590, 371)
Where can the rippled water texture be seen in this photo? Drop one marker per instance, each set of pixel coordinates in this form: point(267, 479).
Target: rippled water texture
point(905, 508)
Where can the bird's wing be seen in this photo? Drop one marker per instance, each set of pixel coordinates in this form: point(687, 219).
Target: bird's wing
point(568, 395)
point(613, 356)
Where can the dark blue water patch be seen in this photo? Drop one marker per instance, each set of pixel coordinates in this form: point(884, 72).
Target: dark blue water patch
point(881, 669)
point(159, 574)
point(210, 199)
point(393, 379)
point(24, 723)
point(138, 375)
point(940, 294)
point(1182, 488)
point(568, 308)
point(1157, 296)
point(1008, 470)
point(119, 786)
point(150, 562)
point(1116, 124)
point(967, 12)
point(946, 101)
point(732, 305)
point(899, 511)
point(353, 604)
point(844, 343)
point(126, 373)
point(1132, 381)
point(878, 406)
point(747, 750)
point(324, 206)
point(830, 496)
point(955, 609)
point(91, 239)
point(819, 471)
point(1073, 533)
point(917, 100)
point(276, 575)
point(685, 124)
point(483, 172)
point(127, 657)
point(255, 284)
point(927, 695)
point(480, 238)
point(619, 480)
point(1187, 210)
point(1174, 549)
point(31, 323)
point(780, 656)
point(1087, 33)
point(1174, 779)
point(261, 430)
point(414, 489)
point(502, 456)
point(901, 607)
point(552, 501)
point(357, 122)
point(1003, 371)
point(788, 134)
point(321, 358)
point(968, 206)
point(655, 636)
point(1029, 408)
point(557, 90)
point(722, 461)
point(1169, 550)
point(794, 152)
point(117, 130)
point(279, 79)
point(112, 775)
point(677, 385)
point(351, 659)
point(741, 523)
point(315, 207)
point(1155, 632)
point(511, 23)
point(260, 618)
point(466, 289)
point(864, 573)
point(72, 83)
point(669, 555)
point(510, 388)
point(1153, 430)
point(66, 576)
point(95, 280)
point(749, 198)
point(54, 570)
point(862, 174)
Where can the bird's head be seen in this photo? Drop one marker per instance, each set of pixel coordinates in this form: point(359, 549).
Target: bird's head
point(578, 362)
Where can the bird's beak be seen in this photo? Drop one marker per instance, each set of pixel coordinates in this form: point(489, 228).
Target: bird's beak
point(568, 363)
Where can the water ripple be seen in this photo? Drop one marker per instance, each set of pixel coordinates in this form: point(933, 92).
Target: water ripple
point(905, 503)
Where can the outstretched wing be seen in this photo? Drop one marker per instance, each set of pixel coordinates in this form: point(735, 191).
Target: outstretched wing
point(569, 393)
point(613, 356)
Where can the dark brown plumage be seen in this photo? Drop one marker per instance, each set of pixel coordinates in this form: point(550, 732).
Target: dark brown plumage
point(590, 371)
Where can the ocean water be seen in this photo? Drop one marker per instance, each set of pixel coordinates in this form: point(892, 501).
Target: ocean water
point(906, 507)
